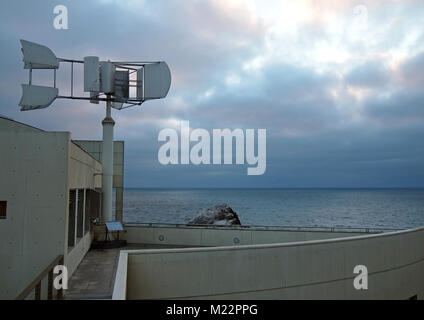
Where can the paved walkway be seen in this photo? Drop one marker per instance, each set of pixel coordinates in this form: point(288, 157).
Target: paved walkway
point(95, 275)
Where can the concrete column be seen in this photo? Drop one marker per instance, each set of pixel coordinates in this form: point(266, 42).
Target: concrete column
point(107, 161)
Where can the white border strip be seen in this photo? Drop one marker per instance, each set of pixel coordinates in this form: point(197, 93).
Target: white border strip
point(120, 286)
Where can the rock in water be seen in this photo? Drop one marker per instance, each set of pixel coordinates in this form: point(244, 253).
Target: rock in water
point(221, 215)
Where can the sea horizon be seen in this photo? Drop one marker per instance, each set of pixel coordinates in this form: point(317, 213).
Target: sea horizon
point(387, 208)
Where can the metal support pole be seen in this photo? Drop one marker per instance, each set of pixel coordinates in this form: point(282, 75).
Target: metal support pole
point(72, 79)
point(107, 161)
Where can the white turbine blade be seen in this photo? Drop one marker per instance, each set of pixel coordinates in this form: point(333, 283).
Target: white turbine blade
point(37, 56)
point(37, 97)
point(91, 74)
point(157, 80)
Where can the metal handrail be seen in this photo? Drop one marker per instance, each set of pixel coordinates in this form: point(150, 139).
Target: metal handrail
point(36, 283)
point(258, 227)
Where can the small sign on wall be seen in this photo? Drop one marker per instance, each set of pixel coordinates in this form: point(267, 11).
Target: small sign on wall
point(3, 209)
point(114, 226)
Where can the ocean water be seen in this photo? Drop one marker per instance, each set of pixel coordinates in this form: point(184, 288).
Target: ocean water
point(358, 208)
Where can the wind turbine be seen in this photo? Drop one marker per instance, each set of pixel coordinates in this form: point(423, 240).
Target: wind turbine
point(107, 81)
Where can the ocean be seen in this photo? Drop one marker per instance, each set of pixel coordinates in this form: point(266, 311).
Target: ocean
point(356, 208)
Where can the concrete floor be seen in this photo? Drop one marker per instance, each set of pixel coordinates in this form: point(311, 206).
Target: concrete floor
point(95, 275)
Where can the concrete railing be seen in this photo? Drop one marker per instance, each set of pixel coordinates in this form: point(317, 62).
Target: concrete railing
point(35, 285)
point(216, 235)
point(263, 227)
point(120, 287)
point(319, 269)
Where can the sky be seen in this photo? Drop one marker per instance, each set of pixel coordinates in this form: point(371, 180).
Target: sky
point(336, 84)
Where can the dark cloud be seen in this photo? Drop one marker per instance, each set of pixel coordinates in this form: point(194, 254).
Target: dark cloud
point(412, 71)
point(402, 108)
point(372, 74)
point(330, 124)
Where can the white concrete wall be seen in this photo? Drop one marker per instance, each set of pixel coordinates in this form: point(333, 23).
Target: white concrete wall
point(82, 167)
point(33, 166)
point(81, 175)
point(95, 148)
point(37, 170)
point(75, 256)
point(220, 236)
point(320, 269)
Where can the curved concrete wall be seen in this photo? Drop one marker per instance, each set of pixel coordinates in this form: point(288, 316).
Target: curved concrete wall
point(221, 236)
point(320, 269)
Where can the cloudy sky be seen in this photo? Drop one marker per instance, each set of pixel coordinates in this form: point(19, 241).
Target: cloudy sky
point(338, 85)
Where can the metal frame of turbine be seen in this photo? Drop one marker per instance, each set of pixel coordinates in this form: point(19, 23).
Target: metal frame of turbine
point(107, 81)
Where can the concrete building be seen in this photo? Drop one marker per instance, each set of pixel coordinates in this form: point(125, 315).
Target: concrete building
point(95, 148)
point(49, 193)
